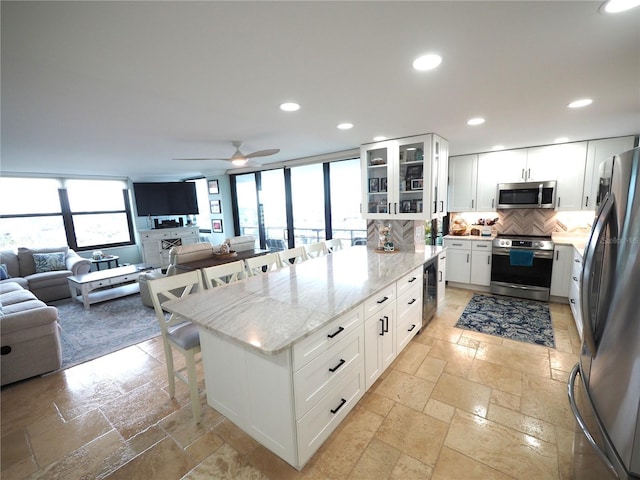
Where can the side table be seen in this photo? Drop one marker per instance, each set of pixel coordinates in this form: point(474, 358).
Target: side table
point(108, 259)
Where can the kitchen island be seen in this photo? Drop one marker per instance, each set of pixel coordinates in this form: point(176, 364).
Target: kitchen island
point(288, 354)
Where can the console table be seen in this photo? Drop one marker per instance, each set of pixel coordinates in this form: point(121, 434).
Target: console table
point(219, 260)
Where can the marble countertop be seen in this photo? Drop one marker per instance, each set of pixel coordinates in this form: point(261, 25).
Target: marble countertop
point(579, 242)
point(271, 312)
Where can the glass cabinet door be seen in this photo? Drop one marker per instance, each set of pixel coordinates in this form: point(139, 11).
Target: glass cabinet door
point(410, 178)
point(377, 161)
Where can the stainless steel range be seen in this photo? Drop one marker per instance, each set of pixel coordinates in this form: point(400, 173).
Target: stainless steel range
point(521, 266)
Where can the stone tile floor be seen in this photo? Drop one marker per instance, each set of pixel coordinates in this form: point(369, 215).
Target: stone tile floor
point(454, 405)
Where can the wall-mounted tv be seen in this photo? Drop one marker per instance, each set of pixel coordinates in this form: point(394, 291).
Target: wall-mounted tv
point(165, 198)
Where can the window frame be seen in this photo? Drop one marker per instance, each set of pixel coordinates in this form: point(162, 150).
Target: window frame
point(67, 215)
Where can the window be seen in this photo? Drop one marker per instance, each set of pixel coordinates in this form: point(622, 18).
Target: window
point(307, 198)
point(84, 214)
point(299, 211)
point(98, 212)
point(347, 223)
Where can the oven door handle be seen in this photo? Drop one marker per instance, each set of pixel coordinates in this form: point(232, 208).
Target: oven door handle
point(536, 253)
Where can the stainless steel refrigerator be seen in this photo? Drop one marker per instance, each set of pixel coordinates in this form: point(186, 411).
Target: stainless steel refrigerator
point(604, 387)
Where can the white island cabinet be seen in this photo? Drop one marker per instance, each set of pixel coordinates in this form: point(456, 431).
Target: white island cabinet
point(284, 353)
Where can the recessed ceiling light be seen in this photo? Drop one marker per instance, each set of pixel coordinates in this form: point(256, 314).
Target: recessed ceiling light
point(583, 102)
point(379, 138)
point(427, 62)
point(497, 147)
point(616, 6)
point(345, 126)
point(476, 121)
point(290, 107)
point(561, 140)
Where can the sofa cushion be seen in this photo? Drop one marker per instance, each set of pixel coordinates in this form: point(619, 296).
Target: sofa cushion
point(48, 279)
point(16, 296)
point(49, 262)
point(4, 273)
point(25, 258)
point(10, 259)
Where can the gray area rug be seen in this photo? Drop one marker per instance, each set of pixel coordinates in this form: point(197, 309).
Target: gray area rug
point(513, 318)
point(104, 328)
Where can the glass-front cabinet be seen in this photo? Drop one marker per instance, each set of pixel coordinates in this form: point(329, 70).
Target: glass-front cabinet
point(400, 177)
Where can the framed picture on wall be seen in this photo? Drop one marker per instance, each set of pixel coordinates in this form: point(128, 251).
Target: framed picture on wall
point(216, 207)
point(216, 226)
point(213, 187)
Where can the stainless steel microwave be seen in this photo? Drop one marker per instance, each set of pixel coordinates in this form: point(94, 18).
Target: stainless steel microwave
point(527, 195)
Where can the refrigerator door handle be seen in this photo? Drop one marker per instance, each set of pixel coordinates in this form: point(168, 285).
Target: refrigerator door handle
point(583, 426)
point(599, 229)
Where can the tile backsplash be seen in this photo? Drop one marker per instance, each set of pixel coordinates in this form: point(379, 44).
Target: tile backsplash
point(521, 221)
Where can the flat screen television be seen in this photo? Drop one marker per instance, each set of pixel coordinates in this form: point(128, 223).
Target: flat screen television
point(165, 198)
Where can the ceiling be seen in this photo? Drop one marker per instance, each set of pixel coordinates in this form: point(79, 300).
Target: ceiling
point(123, 88)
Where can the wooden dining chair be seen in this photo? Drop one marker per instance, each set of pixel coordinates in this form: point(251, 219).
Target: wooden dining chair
point(263, 264)
point(177, 332)
point(293, 256)
point(333, 245)
point(316, 249)
point(223, 274)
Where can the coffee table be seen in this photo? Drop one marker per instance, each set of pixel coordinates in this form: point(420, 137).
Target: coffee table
point(94, 287)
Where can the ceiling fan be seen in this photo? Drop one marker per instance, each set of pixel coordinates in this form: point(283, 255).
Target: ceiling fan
point(239, 159)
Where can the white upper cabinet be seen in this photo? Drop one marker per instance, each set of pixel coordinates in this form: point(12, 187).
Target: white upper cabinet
point(463, 174)
point(564, 163)
point(401, 178)
point(597, 152)
point(506, 166)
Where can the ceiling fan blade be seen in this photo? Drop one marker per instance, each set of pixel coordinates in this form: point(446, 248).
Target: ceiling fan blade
point(201, 159)
point(263, 153)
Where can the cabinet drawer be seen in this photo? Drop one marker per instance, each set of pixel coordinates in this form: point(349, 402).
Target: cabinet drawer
point(317, 377)
point(310, 347)
point(408, 299)
point(409, 319)
point(408, 281)
point(123, 279)
point(481, 246)
point(380, 300)
point(99, 284)
point(316, 426)
point(457, 244)
point(576, 270)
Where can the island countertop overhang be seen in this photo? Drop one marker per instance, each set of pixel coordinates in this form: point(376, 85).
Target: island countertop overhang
point(269, 313)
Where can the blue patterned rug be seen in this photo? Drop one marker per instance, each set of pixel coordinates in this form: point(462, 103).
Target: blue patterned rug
point(104, 328)
point(513, 318)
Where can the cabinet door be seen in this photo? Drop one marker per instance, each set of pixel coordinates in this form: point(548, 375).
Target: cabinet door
point(561, 273)
point(504, 166)
point(498, 167)
point(564, 163)
point(597, 152)
point(377, 170)
point(463, 174)
point(415, 169)
point(442, 276)
point(379, 343)
point(441, 162)
point(458, 265)
point(481, 263)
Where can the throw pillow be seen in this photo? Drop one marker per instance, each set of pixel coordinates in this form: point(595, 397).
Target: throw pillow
point(49, 262)
point(4, 273)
